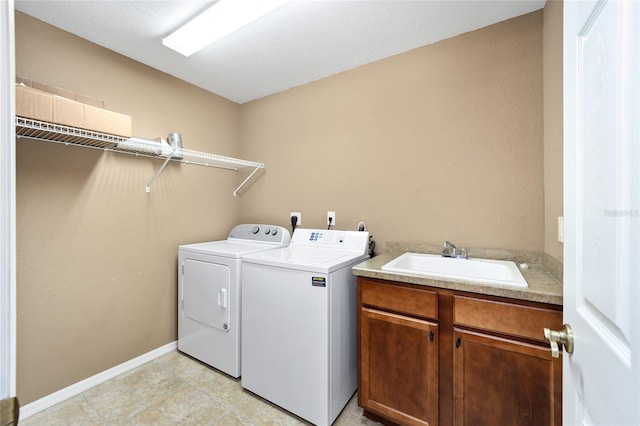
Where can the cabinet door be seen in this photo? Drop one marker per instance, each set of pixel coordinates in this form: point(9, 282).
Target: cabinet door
point(399, 367)
point(504, 382)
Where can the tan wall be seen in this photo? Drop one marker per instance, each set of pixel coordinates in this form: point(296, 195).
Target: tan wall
point(96, 253)
point(442, 142)
point(553, 128)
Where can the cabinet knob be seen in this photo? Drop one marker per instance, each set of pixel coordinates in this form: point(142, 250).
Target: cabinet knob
point(458, 341)
point(558, 338)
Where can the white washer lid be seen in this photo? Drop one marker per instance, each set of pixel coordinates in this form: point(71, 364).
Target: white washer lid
point(304, 258)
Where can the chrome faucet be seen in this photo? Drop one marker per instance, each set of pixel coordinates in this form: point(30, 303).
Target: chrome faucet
point(450, 250)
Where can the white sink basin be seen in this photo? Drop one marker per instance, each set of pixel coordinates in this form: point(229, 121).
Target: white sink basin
point(479, 271)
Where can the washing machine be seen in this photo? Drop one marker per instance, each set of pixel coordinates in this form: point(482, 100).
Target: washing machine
point(299, 322)
point(209, 277)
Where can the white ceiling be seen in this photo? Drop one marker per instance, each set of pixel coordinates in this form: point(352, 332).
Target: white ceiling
point(303, 41)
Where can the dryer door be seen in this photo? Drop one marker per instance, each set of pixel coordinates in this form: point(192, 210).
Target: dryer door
point(205, 293)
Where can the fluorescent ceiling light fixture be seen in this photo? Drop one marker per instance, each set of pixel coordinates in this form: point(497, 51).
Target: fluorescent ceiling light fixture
point(220, 20)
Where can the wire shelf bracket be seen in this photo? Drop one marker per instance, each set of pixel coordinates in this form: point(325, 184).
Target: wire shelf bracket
point(153, 179)
point(247, 179)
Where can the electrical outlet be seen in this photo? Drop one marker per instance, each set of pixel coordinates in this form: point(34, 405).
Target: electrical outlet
point(561, 229)
point(332, 216)
point(298, 215)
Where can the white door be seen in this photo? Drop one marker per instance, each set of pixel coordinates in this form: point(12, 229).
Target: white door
point(602, 212)
point(7, 206)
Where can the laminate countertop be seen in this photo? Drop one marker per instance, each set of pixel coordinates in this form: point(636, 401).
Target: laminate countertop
point(543, 287)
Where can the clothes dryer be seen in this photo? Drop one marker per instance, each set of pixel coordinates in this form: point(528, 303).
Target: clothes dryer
point(209, 277)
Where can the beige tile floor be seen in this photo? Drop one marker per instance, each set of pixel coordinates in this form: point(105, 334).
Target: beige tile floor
point(174, 389)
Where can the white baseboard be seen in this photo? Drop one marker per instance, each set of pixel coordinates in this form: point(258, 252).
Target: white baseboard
point(76, 388)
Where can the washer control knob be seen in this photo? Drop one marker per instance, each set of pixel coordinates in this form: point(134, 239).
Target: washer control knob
point(274, 231)
point(255, 230)
point(267, 231)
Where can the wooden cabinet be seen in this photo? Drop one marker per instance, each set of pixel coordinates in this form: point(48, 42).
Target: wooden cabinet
point(401, 353)
point(398, 347)
point(432, 356)
point(402, 360)
point(502, 366)
point(506, 382)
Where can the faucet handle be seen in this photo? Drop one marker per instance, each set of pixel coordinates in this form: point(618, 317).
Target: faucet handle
point(448, 249)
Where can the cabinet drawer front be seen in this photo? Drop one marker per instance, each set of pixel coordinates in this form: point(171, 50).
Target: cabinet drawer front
point(412, 301)
point(506, 318)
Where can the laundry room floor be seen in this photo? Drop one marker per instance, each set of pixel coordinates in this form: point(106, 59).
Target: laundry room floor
point(175, 389)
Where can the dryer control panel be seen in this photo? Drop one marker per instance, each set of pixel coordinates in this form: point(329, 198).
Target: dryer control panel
point(271, 234)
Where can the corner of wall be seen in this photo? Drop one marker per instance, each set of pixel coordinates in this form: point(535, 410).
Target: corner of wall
point(553, 125)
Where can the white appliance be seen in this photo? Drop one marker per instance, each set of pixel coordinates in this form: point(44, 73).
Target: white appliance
point(299, 322)
point(209, 293)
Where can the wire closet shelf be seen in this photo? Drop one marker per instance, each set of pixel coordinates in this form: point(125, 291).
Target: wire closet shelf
point(73, 136)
